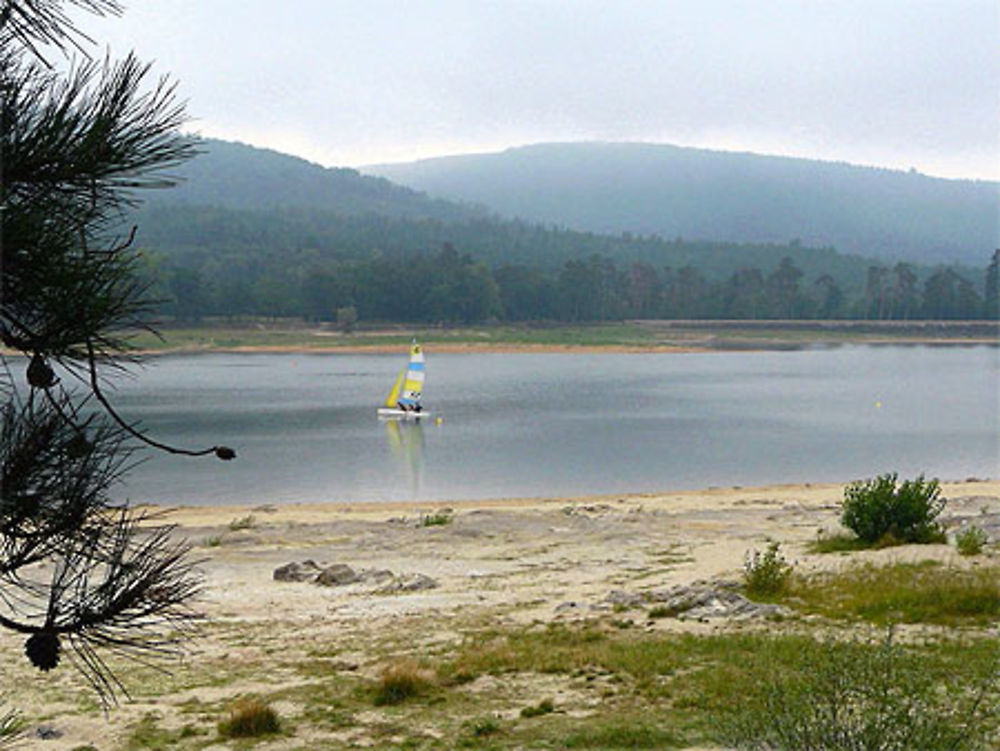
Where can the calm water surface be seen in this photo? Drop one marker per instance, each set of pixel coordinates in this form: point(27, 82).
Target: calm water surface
point(561, 424)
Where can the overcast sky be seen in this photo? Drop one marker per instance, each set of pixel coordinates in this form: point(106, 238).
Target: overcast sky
point(896, 83)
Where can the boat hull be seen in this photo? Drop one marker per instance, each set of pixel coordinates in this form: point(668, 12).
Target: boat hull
point(391, 413)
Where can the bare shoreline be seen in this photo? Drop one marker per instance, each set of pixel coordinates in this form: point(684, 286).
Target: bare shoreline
point(419, 588)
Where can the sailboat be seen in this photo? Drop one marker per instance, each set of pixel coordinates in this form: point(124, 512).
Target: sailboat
point(403, 400)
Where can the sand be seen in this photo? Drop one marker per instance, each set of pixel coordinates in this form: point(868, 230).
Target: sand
point(510, 561)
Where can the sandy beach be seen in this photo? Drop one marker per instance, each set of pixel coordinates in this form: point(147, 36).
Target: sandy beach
point(413, 578)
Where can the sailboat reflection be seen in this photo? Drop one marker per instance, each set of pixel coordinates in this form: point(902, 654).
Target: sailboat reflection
point(406, 442)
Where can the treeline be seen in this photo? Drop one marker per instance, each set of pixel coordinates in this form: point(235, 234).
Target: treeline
point(450, 287)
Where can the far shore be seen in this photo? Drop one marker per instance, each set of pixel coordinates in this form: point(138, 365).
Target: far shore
point(641, 336)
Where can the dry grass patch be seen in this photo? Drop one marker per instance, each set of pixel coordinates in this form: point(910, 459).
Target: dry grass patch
point(250, 718)
point(401, 681)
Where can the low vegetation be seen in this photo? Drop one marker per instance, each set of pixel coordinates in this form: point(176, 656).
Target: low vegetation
point(885, 511)
point(401, 681)
point(11, 725)
point(246, 522)
point(439, 519)
point(925, 592)
point(861, 696)
point(250, 718)
point(766, 573)
point(971, 540)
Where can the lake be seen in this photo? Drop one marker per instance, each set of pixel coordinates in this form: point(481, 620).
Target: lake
point(541, 425)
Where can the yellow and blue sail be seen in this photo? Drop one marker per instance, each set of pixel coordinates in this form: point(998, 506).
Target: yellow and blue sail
point(410, 385)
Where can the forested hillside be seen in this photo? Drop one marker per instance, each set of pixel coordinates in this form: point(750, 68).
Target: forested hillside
point(722, 196)
point(237, 176)
point(253, 232)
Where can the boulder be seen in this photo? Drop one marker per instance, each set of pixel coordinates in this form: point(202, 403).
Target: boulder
point(297, 572)
point(336, 574)
point(409, 583)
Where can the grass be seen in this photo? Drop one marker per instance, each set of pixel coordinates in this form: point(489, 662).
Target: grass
point(838, 543)
point(544, 707)
point(901, 593)
point(400, 682)
point(147, 735)
point(624, 734)
point(616, 689)
point(291, 333)
point(766, 574)
point(294, 334)
point(245, 522)
point(971, 540)
point(436, 520)
point(679, 686)
point(250, 718)
point(857, 695)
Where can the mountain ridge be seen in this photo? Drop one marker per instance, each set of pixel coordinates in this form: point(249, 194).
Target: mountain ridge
point(234, 175)
point(674, 191)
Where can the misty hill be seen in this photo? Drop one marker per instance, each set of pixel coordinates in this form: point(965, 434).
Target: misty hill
point(254, 232)
point(236, 176)
point(720, 196)
point(249, 203)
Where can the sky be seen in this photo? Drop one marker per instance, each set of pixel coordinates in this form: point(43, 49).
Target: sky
point(893, 83)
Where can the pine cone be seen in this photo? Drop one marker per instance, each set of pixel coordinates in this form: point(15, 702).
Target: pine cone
point(42, 648)
point(40, 373)
point(225, 453)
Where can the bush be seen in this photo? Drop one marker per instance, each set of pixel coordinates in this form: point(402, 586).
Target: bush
point(545, 706)
point(399, 682)
point(766, 573)
point(971, 540)
point(435, 520)
point(250, 719)
point(861, 697)
point(880, 511)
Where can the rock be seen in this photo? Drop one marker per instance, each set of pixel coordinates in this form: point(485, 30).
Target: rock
point(626, 599)
point(336, 574)
point(297, 572)
point(410, 583)
point(376, 575)
point(47, 732)
point(701, 601)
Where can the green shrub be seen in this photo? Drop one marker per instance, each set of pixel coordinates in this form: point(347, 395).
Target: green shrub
point(545, 706)
point(766, 573)
point(484, 726)
point(246, 522)
point(249, 719)
point(880, 510)
point(861, 697)
point(971, 540)
point(435, 520)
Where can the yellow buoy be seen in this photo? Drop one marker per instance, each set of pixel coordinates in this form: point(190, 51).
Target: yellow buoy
point(438, 421)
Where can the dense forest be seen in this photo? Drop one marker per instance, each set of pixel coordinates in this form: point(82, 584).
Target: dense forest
point(453, 287)
point(251, 232)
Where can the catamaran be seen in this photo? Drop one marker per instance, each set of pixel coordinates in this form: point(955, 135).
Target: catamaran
point(403, 400)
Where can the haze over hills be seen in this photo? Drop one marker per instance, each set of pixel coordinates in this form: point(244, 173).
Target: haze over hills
point(255, 232)
point(720, 196)
point(237, 176)
point(251, 202)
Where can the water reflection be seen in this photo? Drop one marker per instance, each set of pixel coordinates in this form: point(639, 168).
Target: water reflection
point(406, 445)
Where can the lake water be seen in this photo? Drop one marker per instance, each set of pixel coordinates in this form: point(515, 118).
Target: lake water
point(538, 425)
